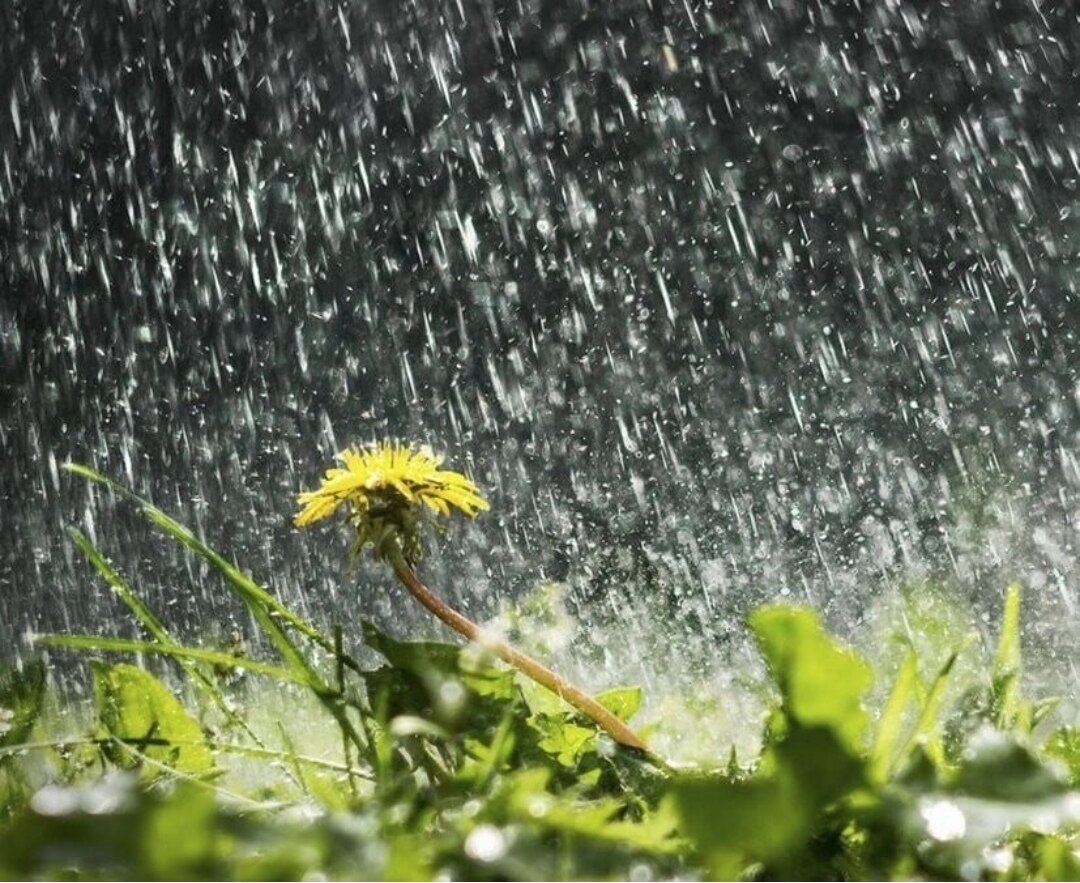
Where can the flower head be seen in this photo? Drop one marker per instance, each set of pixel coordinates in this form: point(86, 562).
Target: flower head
point(382, 486)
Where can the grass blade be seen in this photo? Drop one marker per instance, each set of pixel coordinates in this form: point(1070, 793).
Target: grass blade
point(250, 591)
point(117, 583)
point(927, 724)
point(181, 654)
point(268, 611)
point(155, 627)
point(241, 582)
point(1005, 674)
point(264, 606)
point(892, 717)
point(252, 751)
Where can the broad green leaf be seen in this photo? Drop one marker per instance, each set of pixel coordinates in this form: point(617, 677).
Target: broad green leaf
point(142, 714)
point(433, 661)
point(540, 699)
point(733, 824)
point(997, 767)
point(418, 657)
point(818, 765)
point(772, 817)
point(461, 703)
point(526, 796)
point(1000, 789)
point(178, 834)
point(623, 702)
point(821, 683)
point(562, 739)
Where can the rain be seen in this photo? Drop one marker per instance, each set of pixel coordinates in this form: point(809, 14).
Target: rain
point(719, 302)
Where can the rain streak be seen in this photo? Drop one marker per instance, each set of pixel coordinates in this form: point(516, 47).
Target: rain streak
point(718, 302)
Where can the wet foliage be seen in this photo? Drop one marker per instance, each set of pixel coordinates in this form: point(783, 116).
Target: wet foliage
point(424, 759)
point(721, 303)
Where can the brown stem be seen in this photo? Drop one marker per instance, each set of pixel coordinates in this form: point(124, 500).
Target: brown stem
point(528, 666)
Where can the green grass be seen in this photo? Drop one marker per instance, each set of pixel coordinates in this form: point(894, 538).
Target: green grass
point(436, 762)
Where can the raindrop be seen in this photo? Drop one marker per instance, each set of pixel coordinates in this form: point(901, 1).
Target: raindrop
point(944, 820)
point(485, 843)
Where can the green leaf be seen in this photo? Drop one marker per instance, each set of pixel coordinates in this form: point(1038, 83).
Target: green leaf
point(156, 628)
point(733, 824)
point(193, 654)
point(623, 702)
point(251, 592)
point(418, 657)
point(429, 683)
point(997, 767)
point(926, 731)
point(1010, 710)
point(266, 609)
point(526, 796)
point(1046, 857)
point(433, 661)
point(1000, 789)
point(890, 727)
point(119, 586)
point(562, 739)
point(818, 765)
point(772, 817)
point(22, 693)
point(142, 714)
point(1064, 745)
point(1007, 656)
point(821, 683)
point(178, 835)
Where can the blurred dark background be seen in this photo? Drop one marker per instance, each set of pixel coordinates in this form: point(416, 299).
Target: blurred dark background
point(719, 302)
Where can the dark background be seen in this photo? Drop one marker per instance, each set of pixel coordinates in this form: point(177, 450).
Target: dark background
point(719, 302)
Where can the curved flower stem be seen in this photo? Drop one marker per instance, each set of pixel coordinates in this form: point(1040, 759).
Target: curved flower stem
point(528, 666)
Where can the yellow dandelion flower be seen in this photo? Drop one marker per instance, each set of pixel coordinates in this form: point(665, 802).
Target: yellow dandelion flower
point(385, 487)
point(381, 484)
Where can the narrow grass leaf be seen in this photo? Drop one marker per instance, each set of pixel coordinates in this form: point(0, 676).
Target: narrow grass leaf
point(926, 727)
point(250, 591)
point(119, 586)
point(1008, 704)
point(181, 654)
point(155, 627)
point(241, 582)
point(889, 728)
